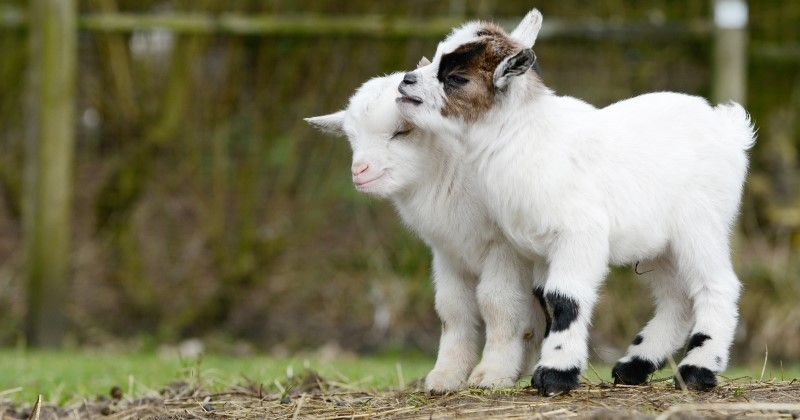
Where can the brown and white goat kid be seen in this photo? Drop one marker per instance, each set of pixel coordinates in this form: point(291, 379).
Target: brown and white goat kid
point(478, 277)
point(655, 179)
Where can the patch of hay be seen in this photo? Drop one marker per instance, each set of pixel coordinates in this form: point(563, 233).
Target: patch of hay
point(311, 396)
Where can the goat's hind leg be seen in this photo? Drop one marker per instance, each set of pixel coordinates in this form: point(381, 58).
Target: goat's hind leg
point(664, 334)
point(705, 267)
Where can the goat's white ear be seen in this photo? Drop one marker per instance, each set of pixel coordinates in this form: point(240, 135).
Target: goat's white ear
point(513, 65)
point(331, 123)
point(423, 62)
point(528, 29)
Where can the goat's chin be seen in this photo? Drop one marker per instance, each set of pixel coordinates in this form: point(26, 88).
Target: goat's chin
point(374, 188)
point(409, 109)
point(427, 119)
point(374, 192)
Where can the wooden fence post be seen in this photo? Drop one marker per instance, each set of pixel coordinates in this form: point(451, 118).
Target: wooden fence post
point(49, 168)
point(730, 51)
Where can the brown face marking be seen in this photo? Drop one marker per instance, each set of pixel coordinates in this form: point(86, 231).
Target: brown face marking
point(467, 73)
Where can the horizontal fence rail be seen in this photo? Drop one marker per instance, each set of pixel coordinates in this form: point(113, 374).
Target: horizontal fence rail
point(371, 25)
point(363, 25)
point(379, 26)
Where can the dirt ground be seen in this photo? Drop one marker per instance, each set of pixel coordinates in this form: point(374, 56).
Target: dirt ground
point(313, 397)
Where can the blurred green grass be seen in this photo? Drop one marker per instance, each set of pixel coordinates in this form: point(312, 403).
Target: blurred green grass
point(69, 376)
point(65, 376)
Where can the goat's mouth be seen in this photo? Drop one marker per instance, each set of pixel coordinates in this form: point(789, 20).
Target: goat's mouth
point(408, 99)
point(365, 184)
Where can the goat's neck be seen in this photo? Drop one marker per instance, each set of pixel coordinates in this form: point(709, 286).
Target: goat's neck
point(513, 115)
point(439, 173)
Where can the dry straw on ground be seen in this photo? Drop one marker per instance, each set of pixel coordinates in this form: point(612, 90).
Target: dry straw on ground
point(313, 397)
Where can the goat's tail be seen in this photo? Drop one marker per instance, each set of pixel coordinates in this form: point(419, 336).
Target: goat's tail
point(738, 123)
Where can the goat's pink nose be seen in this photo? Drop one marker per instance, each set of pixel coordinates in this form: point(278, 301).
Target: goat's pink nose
point(359, 168)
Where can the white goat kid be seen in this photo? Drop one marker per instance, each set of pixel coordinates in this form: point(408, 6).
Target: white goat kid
point(478, 276)
point(655, 179)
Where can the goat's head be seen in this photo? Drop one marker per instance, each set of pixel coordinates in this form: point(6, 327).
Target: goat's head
point(389, 154)
point(473, 69)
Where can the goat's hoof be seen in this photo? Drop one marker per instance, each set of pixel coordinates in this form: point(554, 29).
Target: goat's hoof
point(441, 381)
point(696, 378)
point(492, 378)
point(633, 372)
point(552, 381)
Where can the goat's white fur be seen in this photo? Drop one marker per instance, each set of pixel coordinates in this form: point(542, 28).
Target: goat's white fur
point(528, 29)
point(478, 277)
point(655, 179)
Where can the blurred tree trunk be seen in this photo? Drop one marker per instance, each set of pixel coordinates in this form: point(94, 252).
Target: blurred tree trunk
point(48, 187)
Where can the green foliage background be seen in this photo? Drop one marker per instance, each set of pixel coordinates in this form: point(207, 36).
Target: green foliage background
point(206, 207)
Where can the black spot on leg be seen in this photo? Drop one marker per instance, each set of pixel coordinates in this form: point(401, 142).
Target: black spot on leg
point(548, 320)
point(552, 381)
point(696, 341)
point(635, 371)
point(696, 378)
point(558, 347)
point(565, 311)
point(638, 340)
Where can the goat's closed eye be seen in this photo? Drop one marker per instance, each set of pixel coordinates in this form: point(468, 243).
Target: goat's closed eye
point(400, 133)
point(457, 80)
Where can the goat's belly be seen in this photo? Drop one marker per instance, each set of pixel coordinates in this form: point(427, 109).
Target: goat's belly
point(631, 246)
point(529, 243)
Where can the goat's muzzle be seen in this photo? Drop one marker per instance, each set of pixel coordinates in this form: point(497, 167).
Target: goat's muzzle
point(409, 79)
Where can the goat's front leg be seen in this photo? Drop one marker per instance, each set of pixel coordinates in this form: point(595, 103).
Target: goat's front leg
point(578, 266)
point(461, 326)
point(513, 317)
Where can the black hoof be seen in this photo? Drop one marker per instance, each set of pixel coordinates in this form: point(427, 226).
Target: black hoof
point(634, 372)
point(550, 381)
point(696, 378)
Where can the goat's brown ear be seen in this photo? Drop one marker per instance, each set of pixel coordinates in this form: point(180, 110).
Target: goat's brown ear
point(513, 65)
point(423, 62)
point(331, 123)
